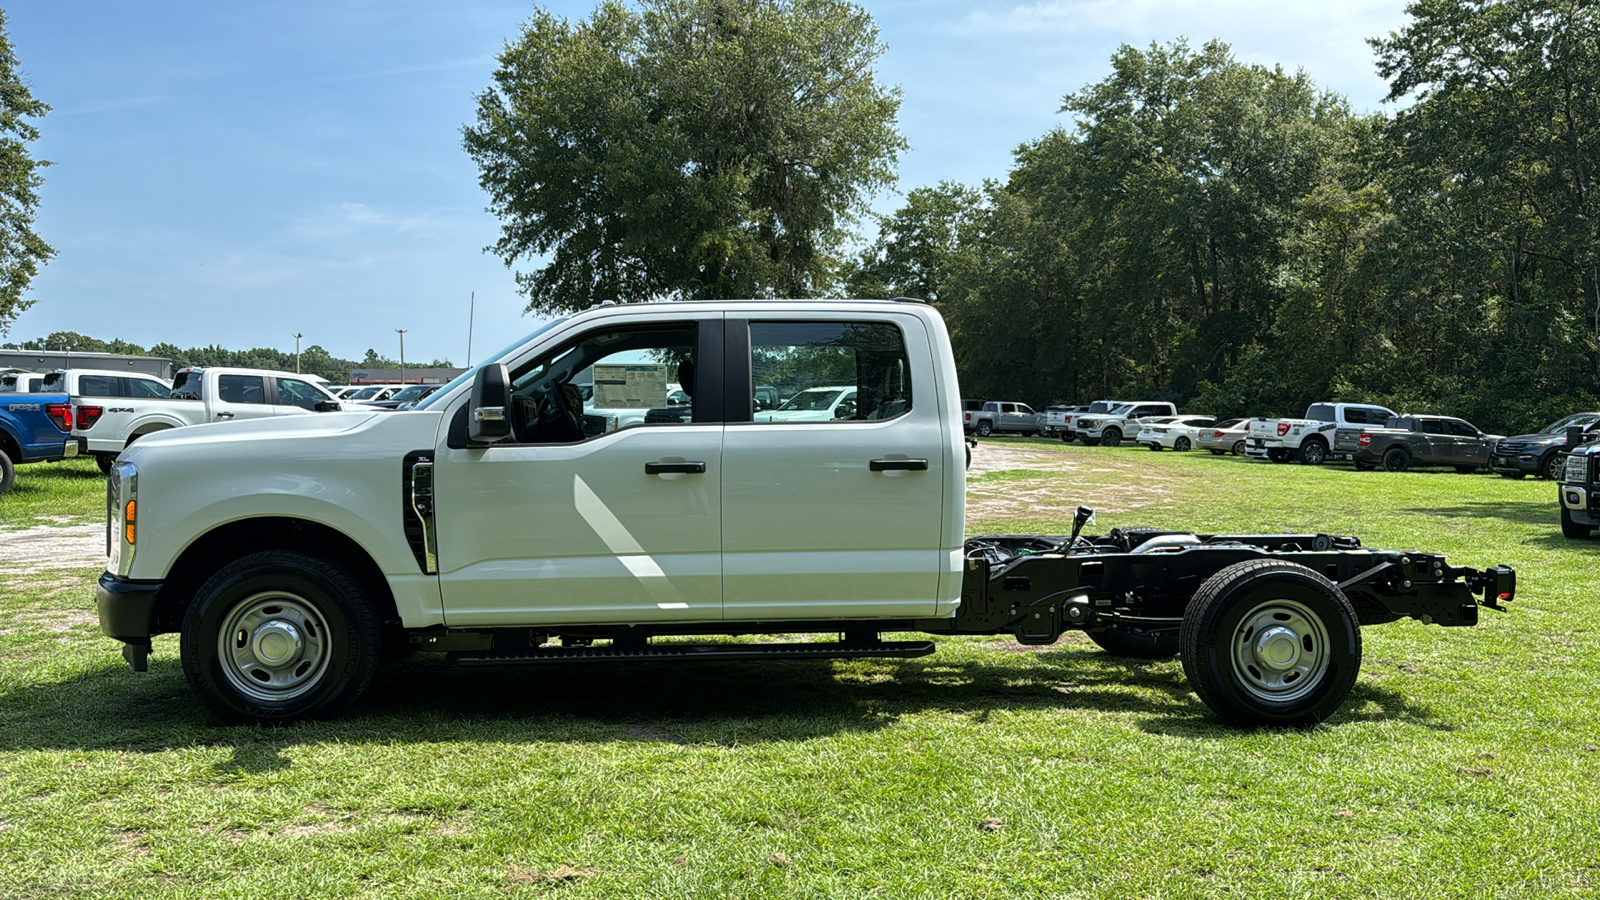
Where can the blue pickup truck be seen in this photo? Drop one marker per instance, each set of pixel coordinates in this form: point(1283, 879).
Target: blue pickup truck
point(33, 428)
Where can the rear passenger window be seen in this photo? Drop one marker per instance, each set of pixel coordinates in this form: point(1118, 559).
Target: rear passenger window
point(831, 371)
point(241, 389)
point(98, 386)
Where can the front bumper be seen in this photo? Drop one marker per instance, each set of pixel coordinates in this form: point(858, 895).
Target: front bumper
point(127, 608)
point(1524, 464)
point(1582, 502)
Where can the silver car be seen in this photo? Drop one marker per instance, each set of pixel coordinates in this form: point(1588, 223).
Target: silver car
point(1227, 436)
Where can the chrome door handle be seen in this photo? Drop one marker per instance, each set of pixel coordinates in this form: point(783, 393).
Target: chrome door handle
point(898, 465)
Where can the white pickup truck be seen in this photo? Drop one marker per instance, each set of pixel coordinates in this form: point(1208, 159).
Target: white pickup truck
point(1328, 430)
point(1120, 421)
point(292, 554)
point(105, 424)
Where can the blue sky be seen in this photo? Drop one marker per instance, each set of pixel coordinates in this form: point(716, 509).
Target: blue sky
point(233, 173)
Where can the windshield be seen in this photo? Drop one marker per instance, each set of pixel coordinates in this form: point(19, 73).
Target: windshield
point(413, 392)
point(1583, 420)
point(498, 356)
point(1122, 410)
point(816, 398)
point(366, 393)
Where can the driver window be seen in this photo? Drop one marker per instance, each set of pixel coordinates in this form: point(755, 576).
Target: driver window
point(606, 381)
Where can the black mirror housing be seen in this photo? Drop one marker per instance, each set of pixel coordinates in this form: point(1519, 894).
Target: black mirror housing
point(329, 406)
point(488, 412)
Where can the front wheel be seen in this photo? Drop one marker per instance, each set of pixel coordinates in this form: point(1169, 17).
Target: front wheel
point(278, 636)
point(1181, 444)
point(1268, 642)
point(1313, 453)
point(1571, 528)
point(1133, 645)
point(1090, 442)
point(1512, 474)
point(1550, 467)
point(8, 473)
point(1111, 437)
point(1066, 437)
point(1467, 470)
point(985, 429)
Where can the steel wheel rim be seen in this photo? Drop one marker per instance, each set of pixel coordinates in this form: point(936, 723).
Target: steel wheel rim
point(274, 646)
point(1280, 651)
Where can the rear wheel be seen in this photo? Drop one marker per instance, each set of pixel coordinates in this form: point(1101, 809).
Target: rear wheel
point(1238, 448)
point(1571, 528)
point(278, 636)
point(1066, 437)
point(1133, 645)
point(1268, 642)
point(1155, 447)
point(1181, 444)
point(1280, 455)
point(105, 463)
point(1218, 452)
point(1396, 459)
point(1467, 470)
point(984, 428)
point(1111, 437)
point(1090, 442)
point(1513, 474)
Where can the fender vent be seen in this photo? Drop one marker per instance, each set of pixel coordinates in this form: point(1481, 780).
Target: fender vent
point(416, 508)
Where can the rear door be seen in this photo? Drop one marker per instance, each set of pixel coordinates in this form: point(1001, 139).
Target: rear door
point(839, 518)
point(1441, 443)
point(239, 396)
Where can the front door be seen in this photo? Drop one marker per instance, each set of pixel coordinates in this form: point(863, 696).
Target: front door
point(840, 518)
point(565, 523)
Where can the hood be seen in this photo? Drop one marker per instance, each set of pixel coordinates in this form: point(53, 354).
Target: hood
point(1537, 438)
point(295, 426)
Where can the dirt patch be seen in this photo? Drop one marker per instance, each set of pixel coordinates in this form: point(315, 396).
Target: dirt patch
point(29, 551)
point(55, 621)
point(988, 458)
point(1053, 484)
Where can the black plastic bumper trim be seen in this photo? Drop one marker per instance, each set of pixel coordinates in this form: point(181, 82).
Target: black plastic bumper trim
point(126, 608)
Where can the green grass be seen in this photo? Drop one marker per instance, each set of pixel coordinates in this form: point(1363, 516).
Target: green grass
point(1466, 763)
point(68, 491)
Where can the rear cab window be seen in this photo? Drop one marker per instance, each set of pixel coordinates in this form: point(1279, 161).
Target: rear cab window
point(833, 371)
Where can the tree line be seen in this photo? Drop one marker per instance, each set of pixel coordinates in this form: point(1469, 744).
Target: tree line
point(314, 360)
point(1233, 238)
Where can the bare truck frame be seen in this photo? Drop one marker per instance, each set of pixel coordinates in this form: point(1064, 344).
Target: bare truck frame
point(1268, 625)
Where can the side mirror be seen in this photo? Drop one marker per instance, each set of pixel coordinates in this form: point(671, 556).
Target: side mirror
point(328, 406)
point(487, 420)
point(1574, 435)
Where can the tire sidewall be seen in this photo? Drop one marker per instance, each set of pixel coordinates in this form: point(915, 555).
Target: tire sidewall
point(8, 473)
point(985, 429)
point(1111, 437)
point(352, 635)
point(1401, 460)
point(1207, 642)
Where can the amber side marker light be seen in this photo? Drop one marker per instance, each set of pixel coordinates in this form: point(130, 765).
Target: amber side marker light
point(128, 521)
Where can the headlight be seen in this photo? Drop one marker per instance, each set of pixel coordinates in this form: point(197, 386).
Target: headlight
point(122, 517)
point(1577, 468)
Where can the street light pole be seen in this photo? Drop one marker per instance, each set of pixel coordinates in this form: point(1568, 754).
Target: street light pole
point(297, 337)
point(402, 333)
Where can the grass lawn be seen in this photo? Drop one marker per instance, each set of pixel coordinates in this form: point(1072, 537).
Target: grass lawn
point(1466, 763)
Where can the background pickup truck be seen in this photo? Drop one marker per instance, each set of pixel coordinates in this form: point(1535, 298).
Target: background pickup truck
point(1001, 417)
point(1120, 421)
point(486, 525)
point(1328, 430)
point(33, 428)
point(105, 424)
point(1410, 440)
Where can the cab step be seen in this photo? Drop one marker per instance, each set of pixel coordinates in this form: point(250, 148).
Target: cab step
point(898, 649)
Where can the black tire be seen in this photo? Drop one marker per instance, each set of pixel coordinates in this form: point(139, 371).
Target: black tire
point(105, 463)
point(1090, 442)
point(1218, 452)
point(1467, 470)
point(1066, 438)
point(1313, 452)
point(8, 473)
point(1396, 459)
point(1268, 642)
point(1238, 448)
point(1573, 529)
point(1182, 444)
point(1133, 645)
point(1512, 474)
point(1365, 467)
point(1280, 455)
point(1155, 447)
point(984, 428)
point(306, 609)
point(1111, 437)
point(1550, 467)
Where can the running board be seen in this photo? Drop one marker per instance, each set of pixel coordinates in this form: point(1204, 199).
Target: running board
point(900, 649)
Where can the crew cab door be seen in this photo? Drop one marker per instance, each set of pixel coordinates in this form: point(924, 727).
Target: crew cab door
point(1441, 444)
point(838, 518)
point(238, 396)
point(559, 525)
